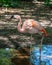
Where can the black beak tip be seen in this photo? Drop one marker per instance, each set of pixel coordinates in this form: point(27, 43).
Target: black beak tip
point(12, 17)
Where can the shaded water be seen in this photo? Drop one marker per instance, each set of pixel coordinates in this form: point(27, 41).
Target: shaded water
point(46, 55)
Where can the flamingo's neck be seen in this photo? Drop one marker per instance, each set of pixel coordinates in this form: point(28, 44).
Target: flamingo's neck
point(19, 27)
point(20, 23)
point(20, 20)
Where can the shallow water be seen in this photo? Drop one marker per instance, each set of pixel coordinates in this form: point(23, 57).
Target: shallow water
point(46, 55)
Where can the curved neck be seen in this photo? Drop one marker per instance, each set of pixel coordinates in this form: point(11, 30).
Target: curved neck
point(20, 19)
point(19, 27)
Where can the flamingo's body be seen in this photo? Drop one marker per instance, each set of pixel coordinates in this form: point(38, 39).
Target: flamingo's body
point(30, 26)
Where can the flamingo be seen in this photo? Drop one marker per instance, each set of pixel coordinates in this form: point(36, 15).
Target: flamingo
point(30, 26)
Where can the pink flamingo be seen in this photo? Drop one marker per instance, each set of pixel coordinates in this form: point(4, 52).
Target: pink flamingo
point(30, 26)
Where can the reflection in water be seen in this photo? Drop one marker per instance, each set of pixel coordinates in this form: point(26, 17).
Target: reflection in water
point(46, 55)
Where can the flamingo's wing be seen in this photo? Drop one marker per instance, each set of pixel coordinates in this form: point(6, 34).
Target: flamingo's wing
point(27, 24)
point(37, 25)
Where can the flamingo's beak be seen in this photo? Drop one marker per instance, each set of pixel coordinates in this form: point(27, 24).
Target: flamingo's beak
point(14, 16)
point(11, 17)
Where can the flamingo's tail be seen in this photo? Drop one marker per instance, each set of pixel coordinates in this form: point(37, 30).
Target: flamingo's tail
point(44, 32)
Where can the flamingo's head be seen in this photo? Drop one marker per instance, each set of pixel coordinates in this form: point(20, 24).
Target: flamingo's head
point(17, 16)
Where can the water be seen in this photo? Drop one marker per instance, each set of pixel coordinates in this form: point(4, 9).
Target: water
point(46, 55)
